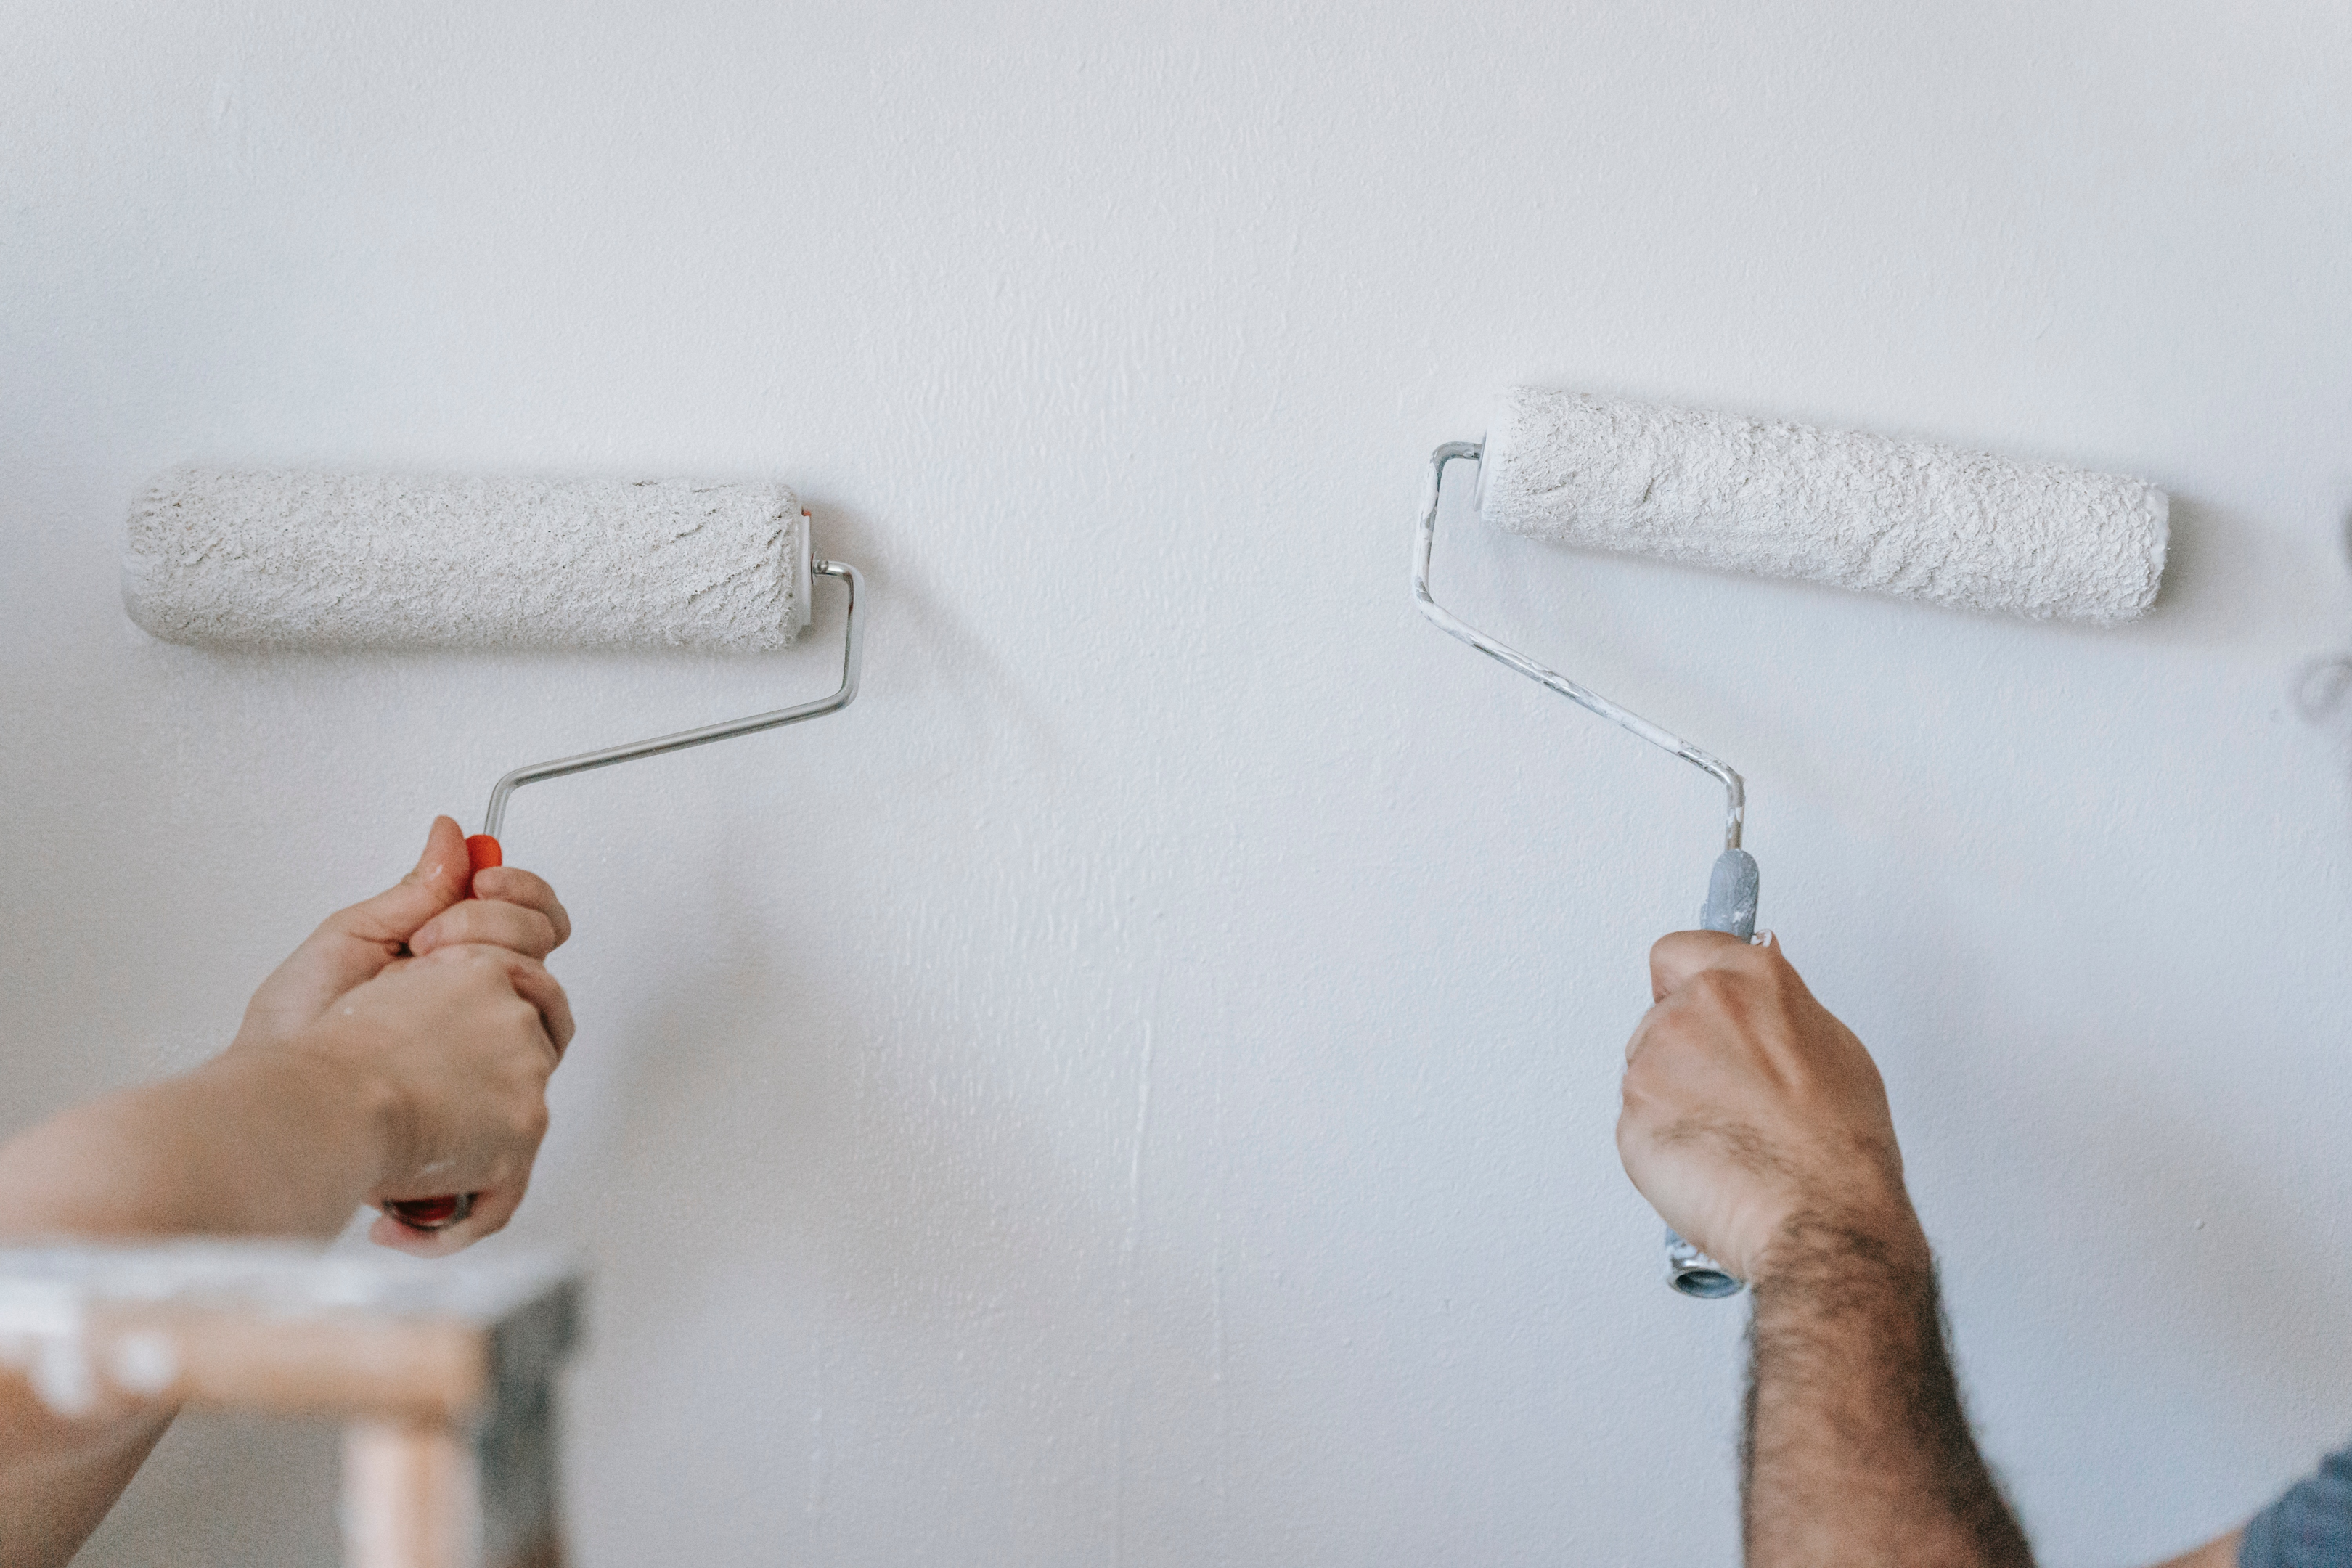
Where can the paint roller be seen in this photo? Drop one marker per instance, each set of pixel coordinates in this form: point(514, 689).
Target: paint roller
point(324, 563)
point(1965, 529)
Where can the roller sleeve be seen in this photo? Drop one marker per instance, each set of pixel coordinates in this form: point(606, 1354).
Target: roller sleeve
point(339, 562)
point(1855, 510)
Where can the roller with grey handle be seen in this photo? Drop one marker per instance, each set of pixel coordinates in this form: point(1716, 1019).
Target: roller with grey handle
point(1731, 889)
point(1969, 531)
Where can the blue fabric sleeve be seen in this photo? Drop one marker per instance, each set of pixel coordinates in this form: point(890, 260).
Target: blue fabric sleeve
point(2308, 1527)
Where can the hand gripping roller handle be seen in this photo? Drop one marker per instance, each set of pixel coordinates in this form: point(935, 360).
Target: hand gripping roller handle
point(483, 851)
point(1730, 908)
point(1732, 886)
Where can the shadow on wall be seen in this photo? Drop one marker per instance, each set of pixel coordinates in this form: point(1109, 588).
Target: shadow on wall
point(2215, 590)
point(923, 643)
point(2322, 687)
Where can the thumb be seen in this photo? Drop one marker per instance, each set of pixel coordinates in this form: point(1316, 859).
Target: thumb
point(441, 878)
point(354, 945)
point(1679, 956)
point(442, 875)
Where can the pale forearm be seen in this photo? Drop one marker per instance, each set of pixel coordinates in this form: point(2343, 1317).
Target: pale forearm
point(402, 1051)
point(276, 1142)
point(58, 1478)
point(1858, 1451)
point(262, 1143)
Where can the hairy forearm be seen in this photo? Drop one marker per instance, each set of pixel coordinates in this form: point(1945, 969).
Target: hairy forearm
point(261, 1143)
point(1857, 1449)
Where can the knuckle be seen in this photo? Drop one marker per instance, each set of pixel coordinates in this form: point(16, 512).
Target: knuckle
point(1716, 988)
point(1682, 1024)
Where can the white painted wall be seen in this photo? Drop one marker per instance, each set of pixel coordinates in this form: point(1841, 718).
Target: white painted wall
point(1137, 1089)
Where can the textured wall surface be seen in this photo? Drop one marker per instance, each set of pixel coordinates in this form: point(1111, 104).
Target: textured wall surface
point(1137, 1088)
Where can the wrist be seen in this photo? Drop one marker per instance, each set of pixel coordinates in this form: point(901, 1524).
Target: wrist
point(1881, 1239)
point(329, 1082)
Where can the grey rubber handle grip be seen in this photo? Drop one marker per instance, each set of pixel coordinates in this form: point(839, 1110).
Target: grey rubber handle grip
point(1731, 895)
point(1731, 890)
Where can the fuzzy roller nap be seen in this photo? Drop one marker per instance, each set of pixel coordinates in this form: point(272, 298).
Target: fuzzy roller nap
point(1960, 529)
point(337, 563)
point(1963, 529)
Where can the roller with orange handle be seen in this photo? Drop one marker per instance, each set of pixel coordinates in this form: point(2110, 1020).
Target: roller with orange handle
point(332, 562)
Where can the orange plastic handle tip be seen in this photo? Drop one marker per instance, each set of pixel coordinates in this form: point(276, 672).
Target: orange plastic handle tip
point(482, 852)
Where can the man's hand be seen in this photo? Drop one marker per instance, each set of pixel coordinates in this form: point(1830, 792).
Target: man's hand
point(1747, 1107)
point(427, 909)
point(1757, 1125)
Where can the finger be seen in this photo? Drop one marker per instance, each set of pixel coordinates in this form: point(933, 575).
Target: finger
point(532, 982)
point(1679, 956)
point(513, 885)
point(489, 923)
point(389, 1232)
point(535, 986)
point(492, 1210)
point(353, 946)
point(1641, 1035)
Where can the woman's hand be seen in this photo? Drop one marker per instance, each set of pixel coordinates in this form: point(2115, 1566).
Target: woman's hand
point(450, 1053)
point(428, 909)
point(402, 1051)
